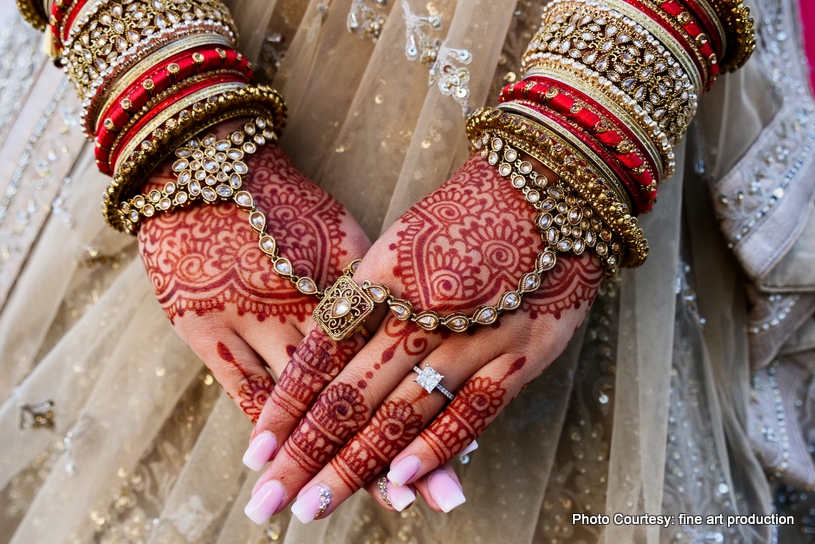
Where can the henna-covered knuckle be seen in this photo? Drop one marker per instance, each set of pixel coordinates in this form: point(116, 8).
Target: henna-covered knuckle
point(250, 391)
point(473, 408)
point(393, 427)
point(314, 364)
point(338, 413)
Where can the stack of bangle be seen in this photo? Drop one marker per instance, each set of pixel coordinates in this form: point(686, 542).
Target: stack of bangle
point(151, 74)
point(610, 86)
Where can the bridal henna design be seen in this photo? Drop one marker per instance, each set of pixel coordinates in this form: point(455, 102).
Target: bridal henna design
point(392, 428)
point(336, 415)
point(205, 259)
point(469, 242)
point(254, 389)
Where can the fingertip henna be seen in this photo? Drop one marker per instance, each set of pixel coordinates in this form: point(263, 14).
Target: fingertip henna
point(393, 427)
point(338, 413)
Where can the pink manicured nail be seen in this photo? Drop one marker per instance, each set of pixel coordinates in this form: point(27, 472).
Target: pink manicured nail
point(469, 449)
point(312, 504)
point(400, 497)
point(404, 470)
point(265, 502)
point(445, 491)
point(260, 451)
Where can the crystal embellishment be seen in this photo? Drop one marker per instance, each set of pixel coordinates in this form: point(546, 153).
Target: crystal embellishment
point(428, 379)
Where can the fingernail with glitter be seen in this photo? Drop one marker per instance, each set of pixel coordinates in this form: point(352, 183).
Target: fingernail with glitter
point(469, 449)
point(260, 451)
point(400, 497)
point(265, 502)
point(312, 504)
point(445, 491)
point(404, 470)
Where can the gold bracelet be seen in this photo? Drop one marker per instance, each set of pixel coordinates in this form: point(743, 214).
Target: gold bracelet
point(568, 163)
point(33, 16)
point(132, 173)
point(740, 29)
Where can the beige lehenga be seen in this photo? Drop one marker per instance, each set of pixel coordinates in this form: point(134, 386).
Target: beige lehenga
point(688, 389)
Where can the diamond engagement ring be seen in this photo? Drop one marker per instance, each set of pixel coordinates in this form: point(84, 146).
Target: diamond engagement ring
point(430, 380)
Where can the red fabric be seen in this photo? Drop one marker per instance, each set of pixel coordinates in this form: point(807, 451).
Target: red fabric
point(808, 25)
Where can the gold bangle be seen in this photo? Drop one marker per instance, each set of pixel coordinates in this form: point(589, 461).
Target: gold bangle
point(172, 111)
point(33, 16)
point(131, 174)
point(664, 37)
point(555, 153)
point(740, 29)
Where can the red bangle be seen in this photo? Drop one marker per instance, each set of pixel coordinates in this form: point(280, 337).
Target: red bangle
point(711, 29)
point(167, 72)
point(113, 156)
point(170, 71)
point(695, 29)
point(639, 169)
point(64, 17)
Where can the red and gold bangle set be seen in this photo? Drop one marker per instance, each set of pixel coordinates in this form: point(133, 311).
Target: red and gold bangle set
point(151, 74)
point(610, 86)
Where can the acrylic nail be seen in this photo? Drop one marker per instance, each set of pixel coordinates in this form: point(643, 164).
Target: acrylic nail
point(260, 451)
point(445, 491)
point(404, 470)
point(312, 504)
point(265, 502)
point(400, 497)
point(469, 449)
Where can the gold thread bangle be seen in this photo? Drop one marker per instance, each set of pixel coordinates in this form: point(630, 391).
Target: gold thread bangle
point(32, 15)
point(172, 111)
point(599, 164)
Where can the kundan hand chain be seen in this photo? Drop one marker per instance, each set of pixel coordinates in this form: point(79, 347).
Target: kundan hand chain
point(211, 170)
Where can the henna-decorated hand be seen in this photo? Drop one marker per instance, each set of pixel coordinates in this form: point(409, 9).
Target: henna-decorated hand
point(461, 247)
point(219, 290)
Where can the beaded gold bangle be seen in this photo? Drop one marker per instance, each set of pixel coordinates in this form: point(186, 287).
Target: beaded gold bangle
point(556, 154)
point(740, 31)
point(33, 14)
point(133, 170)
point(112, 36)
